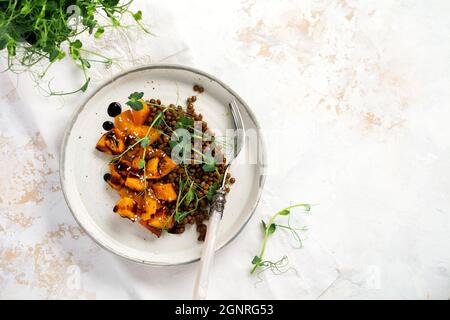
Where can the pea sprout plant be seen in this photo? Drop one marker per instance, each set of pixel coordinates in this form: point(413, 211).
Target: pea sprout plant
point(36, 34)
point(269, 228)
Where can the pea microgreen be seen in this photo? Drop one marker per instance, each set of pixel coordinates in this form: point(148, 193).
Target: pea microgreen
point(184, 122)
point(209, 163)
point(35, 33)
point(212, 191)
point(133, 101)
point(269, 228)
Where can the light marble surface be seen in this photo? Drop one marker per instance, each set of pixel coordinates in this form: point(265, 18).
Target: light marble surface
point(354, 97)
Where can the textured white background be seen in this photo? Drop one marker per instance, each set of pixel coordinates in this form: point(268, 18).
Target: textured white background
point(354, 98)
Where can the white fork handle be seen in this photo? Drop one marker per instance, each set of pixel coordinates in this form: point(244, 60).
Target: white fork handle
point(207, 257)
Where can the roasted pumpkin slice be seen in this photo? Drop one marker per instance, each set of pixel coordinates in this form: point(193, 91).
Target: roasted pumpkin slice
point(150, 204)
point(136, 196)
point(159, 165)
point(153, 230)
point(161, 219)
point(164, 191)
point(125, 123)
point(115, 180)
point(112, 142)
point(152, 169)
point(126, 208)
point(166, 166)
point(141, 131)
point(136, 159)
point(141, 116)
point(135, 182)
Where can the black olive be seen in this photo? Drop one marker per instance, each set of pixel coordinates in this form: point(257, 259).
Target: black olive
point(107, 176)
point(114, 109)
point(108, 125)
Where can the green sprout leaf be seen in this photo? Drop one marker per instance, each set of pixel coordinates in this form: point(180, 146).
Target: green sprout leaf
point(144, 142)
point(98, 33)
point(184, 122)
point(268, 229)
point(264, 226)
point(271, 228)
point(134, 102)
point(189, 196)
point(179, 216)
point(85, 85)
point(212, 191)
point(138, 15)
point(256, 260)
point(209, 164)
point(42, 31)
point(141, 163)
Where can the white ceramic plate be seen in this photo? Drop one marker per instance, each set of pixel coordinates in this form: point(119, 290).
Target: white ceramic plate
point(82, 166)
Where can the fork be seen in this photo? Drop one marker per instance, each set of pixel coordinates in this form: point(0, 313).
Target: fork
point(217, 207)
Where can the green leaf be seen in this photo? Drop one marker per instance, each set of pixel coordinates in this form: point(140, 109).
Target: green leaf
point(134, 102)
point(307, 207)
point(54, 54)
point(11, 47)
point(138, 15)
point(256, 260)
point(179, 216)
point(190, 195)
point(26, 8)
point(90, 23)
point(184, 122)
point(181, 185)
point(76, 44)
point(212, 191)
point(145, 141)
point(135, 105)
point(141, 163)
point(99, 32)
point(85, 85)
point(208, 167)
point(284, 212)
point(264, 226)
point(136, 96)
point(85, 63)
point(173, 143)
point(209, 164)
point(271, 228)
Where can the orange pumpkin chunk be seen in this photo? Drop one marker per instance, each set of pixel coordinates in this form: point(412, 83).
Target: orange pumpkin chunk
point(112, 142)
point(126, 208)
point(164, 191)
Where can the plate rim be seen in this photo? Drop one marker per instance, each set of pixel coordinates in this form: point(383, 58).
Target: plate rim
point(106, 82)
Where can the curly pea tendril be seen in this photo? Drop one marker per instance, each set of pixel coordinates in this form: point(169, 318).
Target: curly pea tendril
point(279, 266)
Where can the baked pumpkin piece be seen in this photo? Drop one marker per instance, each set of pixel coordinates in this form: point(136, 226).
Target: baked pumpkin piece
point(126, 208)
point(152, 169)
point(164, 191)
point(135, 195)
point(135, 182)
point(161, 219)
point(112, 142)
point(115, 180)
point(125, 123)
point(159, 165)
point(150, 205)
point(141, 116)
point(166, 165)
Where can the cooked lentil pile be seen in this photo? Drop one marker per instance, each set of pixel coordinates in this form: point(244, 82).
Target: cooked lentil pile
point(154, 190)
